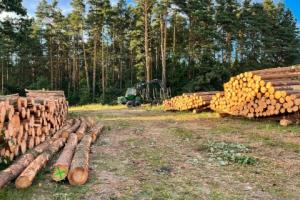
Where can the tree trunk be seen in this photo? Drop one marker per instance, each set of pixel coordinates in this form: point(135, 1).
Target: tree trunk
point(51, 62)
point(95, 65)
point(163, 41)
point(85, 62)
point(2, 77)
point(102, 67)
point(146, 42)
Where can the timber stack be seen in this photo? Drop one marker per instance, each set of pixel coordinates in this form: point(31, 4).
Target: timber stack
point(189, 101)
point(26, 122)
point(73, 162)
point(262, 93)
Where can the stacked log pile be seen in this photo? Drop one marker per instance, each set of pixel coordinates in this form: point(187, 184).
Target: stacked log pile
point(26, 122)
point(72, 163)
point(189, 101)
point(261, 93)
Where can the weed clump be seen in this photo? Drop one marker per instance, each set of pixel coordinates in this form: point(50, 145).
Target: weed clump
point(228, 153)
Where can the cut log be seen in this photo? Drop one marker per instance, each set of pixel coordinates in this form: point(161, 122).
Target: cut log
point(95, 131)
point(27, 176)
point(81, 130)
point(61, 167)
point(65, 133)
point(79, 169)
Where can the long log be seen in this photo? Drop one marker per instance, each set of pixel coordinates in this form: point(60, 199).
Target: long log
point(65, 133)
point(27, 176)
point(61, 168)
point(79, 170)
point(81, 130)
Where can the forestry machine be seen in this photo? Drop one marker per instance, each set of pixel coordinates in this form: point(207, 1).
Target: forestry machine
point(149, 92)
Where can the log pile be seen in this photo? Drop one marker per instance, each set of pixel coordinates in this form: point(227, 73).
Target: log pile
point(262, 93)
point(19, 165)
point(26, 122)
point(73, 162)
point(189, 101)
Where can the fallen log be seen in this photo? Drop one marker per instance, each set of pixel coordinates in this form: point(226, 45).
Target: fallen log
point(81, 130)
point(65, 133)
point(27, 176)
point(62, 165)
point(79, 170)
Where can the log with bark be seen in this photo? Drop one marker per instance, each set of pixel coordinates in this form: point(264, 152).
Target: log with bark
point(61, 167)
point(82, 129)
point(27, 176)
point(79, 170)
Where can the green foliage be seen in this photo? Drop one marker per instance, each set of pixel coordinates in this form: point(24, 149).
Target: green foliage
point(226, 153)
point(98, 50)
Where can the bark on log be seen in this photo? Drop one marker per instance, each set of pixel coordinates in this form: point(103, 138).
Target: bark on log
point(61, 167)
point(79, 169)
point(27, 176)
point(65, 133)
point(81, 130)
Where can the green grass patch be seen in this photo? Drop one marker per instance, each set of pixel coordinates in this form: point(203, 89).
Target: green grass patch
point(228, 153)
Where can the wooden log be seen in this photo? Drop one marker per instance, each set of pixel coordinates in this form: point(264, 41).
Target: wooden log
point(81, 130)
point(95, 131)
point(27, 176)
point(65, 133)
point(79, 170)
point(62, 165)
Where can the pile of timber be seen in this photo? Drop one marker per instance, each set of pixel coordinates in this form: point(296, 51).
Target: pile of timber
point(73, 162)
point(262, 93)
point(189, 101)
point(25, 122)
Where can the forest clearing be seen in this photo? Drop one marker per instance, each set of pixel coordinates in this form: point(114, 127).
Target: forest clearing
point(149, 99)
point(146, 153)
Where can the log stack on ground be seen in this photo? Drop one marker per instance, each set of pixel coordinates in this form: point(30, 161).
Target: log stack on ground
point(189, 101)
point(28, 121)
point(261, 93)
point(19, 165)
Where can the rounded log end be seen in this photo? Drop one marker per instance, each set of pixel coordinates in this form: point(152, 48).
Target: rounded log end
point(23, 182)
point(59, 173)
point(78, 176)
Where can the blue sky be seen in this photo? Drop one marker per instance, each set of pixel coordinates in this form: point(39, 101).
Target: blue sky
point(293, 5)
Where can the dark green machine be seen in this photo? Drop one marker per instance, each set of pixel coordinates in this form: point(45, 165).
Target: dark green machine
point(147, 92)
point(131, 98)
